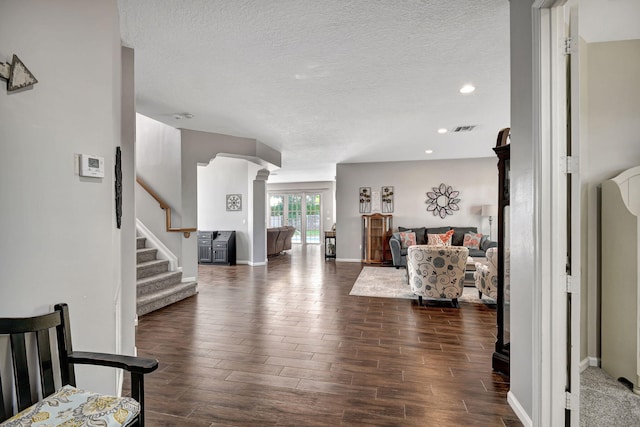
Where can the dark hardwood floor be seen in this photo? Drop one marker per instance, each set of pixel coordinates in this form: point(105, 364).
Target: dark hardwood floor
point(285, 344)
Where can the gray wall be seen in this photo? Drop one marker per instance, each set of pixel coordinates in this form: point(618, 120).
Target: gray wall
point(523, 205)
point(128, 230)
point(59, 237)
point(476, 179)
point(199, 148)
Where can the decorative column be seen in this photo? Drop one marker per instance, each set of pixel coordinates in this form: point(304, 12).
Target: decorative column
point(258, 225)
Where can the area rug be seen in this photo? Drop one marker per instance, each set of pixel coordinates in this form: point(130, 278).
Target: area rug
point(387, 282)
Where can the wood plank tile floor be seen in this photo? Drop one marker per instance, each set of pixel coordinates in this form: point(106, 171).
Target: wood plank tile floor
point(285, 345)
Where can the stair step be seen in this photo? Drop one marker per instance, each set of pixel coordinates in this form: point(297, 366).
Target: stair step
point(151, 302)
point(150, 268)
point(158, 282)
point(145, 254)
point(141, 242)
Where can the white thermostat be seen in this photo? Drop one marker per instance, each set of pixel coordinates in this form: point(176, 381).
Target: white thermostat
point(91, 166)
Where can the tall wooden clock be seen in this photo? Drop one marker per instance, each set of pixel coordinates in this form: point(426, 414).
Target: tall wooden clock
point(500, 360)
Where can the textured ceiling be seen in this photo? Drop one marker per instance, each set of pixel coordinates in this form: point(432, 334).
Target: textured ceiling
point(328, 81)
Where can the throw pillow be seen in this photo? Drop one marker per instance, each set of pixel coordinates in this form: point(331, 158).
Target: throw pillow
point(458, 236)
point(407, 238)
point(440, 239)
point(472, 240)
point(420, 234)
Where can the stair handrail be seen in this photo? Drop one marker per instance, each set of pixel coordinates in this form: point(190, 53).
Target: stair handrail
point(167, 209)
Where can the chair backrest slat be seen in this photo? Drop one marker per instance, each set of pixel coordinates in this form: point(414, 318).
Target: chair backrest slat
point(65, 347)
point(21, 371)
point(46, 363)
point(3, 413)
point(20, 332)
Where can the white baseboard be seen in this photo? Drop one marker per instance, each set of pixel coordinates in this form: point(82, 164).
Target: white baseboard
point(584, 364)
point(188, 279)
point(348, 260)
point(589, 361)
point(519, 410)
point(253, 264)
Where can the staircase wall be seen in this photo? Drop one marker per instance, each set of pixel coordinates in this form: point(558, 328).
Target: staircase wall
point(158, 164)
point(156, 286)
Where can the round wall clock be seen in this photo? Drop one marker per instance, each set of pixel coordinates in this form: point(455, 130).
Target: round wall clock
point(234, 202)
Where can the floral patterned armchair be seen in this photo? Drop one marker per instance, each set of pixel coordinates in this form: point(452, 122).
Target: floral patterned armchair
point(437, 271)
point(486, 275)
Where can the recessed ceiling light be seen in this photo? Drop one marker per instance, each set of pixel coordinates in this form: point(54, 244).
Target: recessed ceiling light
point(442, 130)
point(467, 89)
point(428, 151)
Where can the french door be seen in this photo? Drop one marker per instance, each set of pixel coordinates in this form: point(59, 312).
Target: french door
point(300, 210)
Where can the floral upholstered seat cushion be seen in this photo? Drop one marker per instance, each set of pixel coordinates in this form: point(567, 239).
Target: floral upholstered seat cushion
point(72, 407)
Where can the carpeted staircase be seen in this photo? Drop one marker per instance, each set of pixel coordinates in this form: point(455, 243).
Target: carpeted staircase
point(157, 286)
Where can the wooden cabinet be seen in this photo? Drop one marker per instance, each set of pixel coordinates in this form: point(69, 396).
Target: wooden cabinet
point(376, 229)
point(217, 247)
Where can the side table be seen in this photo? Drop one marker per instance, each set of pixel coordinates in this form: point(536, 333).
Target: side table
point(329, 244)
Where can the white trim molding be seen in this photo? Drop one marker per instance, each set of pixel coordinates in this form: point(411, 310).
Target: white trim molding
point(519, 410)
point(163, 251)
point(348, 260)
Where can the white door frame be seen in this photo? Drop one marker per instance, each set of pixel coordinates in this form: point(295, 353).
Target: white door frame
point(303, 210)
point(551, 357)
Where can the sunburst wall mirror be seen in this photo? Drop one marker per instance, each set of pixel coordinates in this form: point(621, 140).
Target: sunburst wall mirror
point(442, 201)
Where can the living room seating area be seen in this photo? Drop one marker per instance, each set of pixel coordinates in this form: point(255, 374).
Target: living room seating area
point(468, 237)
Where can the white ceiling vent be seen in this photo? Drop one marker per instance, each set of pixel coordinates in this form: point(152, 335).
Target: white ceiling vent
point(468, 128)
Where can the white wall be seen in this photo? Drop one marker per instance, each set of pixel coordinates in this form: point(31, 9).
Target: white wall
point(59, 237)
point(217, 179)
point(613, 131)
point(476, 179)
point(158, 164)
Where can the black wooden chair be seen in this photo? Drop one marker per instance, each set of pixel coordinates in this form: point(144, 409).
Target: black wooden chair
point(23, 331)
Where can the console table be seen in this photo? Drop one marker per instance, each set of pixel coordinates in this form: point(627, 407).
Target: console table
point(329, 244)
point(217, 247)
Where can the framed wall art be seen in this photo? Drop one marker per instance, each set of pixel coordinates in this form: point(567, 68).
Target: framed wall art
point(365, 199)
point(387, 199)
point(234, 202)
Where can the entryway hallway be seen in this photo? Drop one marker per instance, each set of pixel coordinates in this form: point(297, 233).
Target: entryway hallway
point(285, 344)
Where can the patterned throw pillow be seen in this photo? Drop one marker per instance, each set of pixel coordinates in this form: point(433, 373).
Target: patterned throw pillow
point(440, 239)
point(472, 240)
point(407, 238)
